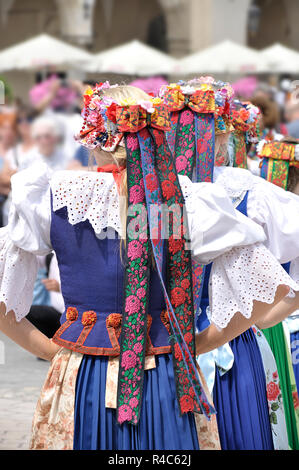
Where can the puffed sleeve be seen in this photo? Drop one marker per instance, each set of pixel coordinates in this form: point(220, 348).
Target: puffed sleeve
point(215, 225)
point(26, 236)
point(243, 270)
point(277, 211)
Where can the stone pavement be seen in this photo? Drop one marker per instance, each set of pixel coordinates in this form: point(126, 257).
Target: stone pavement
point(21, 378)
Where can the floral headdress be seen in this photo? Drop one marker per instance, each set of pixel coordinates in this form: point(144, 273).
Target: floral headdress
point(245, 119)
point(277, 158)
point(152, 180)
point(105, 120)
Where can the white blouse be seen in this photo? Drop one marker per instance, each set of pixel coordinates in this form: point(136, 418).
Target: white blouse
point(270, 206)
point(218, 232)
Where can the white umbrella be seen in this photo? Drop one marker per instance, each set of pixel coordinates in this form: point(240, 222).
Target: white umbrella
point(132, 58)
point(281, 59)
point(41, 51)
point(226, 57)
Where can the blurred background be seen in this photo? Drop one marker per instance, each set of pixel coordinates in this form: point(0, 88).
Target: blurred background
point(51, 50)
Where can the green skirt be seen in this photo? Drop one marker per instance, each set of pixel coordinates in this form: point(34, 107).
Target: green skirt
point(276, 339)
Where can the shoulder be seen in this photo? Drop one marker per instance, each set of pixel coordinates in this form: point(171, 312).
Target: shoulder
point(234, 180)
point(87, 195)
point(82, 181)
point(33, 180)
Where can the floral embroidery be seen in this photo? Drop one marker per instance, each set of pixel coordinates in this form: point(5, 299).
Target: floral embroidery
point(180, 295)
point(134, 324)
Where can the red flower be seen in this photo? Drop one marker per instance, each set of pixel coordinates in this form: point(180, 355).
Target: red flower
point(178, 353)
point(178, 296)
point(172, 177)
point(188, 338)
point(168, 189)
point(206, 407)
point(159, 137)
point(273, 391)
point(111, 112)
point(175, 245)
point(185, 284)
point(151, 182)
point(187, 403)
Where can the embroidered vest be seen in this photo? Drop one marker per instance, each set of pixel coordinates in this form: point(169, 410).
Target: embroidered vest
point(91, 272)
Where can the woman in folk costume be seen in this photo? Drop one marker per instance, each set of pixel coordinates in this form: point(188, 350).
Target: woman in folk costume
point(280, 165)
point(277, 212)
point(126, 376)
point(240, 426)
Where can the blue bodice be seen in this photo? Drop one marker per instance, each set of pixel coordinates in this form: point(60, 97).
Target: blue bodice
point(92, 273)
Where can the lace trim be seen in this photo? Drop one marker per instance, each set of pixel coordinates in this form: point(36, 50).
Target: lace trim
point(294, 270)
point(88, 196)
point(235, 181)
point(239, 277)
point(18, 270)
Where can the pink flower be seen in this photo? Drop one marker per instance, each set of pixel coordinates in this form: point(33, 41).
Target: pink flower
point(189, 153)
point(181, 163)
point(132, 304)
point(186, 118)
point(93, 117)
point(137, 194)
point(141, 293)
point(135, 250)
point(132, 143)
point(124, 414)
point(133, 402)
point(128, 360)
point(138, 348)
point(147, 105)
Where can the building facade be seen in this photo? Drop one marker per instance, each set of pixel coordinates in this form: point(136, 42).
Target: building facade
point(177, 26)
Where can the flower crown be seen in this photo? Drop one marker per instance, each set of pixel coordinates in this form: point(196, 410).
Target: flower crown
point(245, 118)
point(106, 120)
point(202, 95)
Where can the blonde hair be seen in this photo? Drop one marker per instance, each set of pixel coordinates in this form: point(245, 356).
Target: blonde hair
point(119, 156)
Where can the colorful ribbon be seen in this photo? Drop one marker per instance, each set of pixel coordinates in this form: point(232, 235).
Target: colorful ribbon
point(277, 159)
point(134, 118)
point(201, 101)
point(149, 160)
point(192, 143)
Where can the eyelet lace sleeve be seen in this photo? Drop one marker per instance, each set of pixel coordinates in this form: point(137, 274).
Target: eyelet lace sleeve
point(215, 225)
point(239, 277)
point(18, 270)
point(27, 235)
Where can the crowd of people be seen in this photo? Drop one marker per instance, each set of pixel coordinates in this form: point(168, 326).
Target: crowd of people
point(130, 379)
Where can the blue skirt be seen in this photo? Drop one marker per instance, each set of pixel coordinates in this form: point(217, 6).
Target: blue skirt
point(295, 355)
point(160, 427)
point(240, 398)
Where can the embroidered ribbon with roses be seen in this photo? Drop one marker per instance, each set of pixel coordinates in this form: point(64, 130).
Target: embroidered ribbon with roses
point(137, 273)
point(192, 142)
